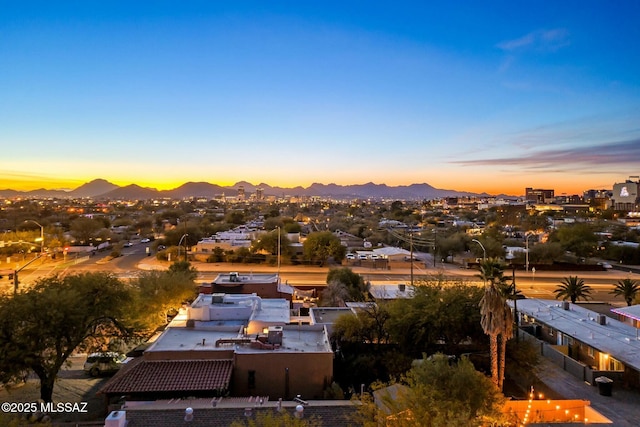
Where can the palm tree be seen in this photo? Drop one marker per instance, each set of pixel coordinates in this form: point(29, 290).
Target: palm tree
point(574, 288)
point(496, 320)
point(628, 289)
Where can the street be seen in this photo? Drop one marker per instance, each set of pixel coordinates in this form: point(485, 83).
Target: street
point(134, 259)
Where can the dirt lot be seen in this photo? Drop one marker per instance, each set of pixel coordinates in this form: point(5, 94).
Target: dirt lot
point(73, 386)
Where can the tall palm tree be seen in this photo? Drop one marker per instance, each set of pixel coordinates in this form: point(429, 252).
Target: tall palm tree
point(574, 288)
point(496, 320)
point(628, 289)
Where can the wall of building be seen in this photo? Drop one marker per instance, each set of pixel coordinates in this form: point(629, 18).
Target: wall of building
point(308, 374)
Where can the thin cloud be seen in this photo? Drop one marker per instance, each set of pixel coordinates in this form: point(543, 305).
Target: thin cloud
point(623, 152)
point(538, 40)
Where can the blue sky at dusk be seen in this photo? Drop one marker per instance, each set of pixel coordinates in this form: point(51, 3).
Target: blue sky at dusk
point(471, 96)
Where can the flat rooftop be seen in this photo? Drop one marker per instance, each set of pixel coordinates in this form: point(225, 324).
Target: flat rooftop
point(328, 315)
point(302, 338)
point(241, 308)
point(616, 338)
point(191, 339)
point(233, 278)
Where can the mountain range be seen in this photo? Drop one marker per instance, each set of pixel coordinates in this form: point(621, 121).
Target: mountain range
point(104, 190)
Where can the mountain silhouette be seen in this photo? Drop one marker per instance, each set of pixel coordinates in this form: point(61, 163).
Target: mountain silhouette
point(105, 190)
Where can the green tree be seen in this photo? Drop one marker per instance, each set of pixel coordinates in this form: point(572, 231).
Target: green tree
point(335, 294)
point(322, 245)
point(628, 289)
point(574, 288)
point(368, 326)
point(439, 311)
point(41, 327)
point(159, 294)
point(356, 287)
point(184, 267)
point(496, 317)
point(577, 238)
point(545, 252)
point(436, 392)
point(269, 242)
point(84, 229)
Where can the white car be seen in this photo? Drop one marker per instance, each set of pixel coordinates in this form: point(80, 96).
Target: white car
point(103, 363)
point(351, 256)
point(145, 240)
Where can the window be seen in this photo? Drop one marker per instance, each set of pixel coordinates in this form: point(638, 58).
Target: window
point(590, 352)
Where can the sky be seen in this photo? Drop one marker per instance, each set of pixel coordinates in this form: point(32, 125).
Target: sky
point(473, 96)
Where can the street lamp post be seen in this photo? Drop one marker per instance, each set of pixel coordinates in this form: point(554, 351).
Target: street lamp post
point(526, 241)
point(41, 235)
point(484, 251)
point(185, 247)
point(278, 252)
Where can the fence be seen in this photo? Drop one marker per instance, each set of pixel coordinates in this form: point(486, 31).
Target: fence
point(577, 369)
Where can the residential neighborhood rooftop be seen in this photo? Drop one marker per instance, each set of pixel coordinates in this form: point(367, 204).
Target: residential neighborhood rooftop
point(616, 338)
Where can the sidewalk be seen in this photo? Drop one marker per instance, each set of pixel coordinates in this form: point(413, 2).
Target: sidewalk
point(622, 407)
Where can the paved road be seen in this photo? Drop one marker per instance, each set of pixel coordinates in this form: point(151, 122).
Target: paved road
point(535, 285)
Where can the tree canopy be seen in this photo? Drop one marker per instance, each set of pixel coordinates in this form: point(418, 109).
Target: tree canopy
point(157, 295)
point(356, 288)
point(573, 288)
point(322, 245)
point(41, 327)
point(435, 392)
point(628, 289)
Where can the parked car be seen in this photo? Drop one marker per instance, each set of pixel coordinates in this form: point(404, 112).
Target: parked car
point(103, 363)
point(351, 256)
point(128, 244)
point(605, 265)
point(145, 240)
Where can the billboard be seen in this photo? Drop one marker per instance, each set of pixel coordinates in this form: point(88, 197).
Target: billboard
point(626, 192)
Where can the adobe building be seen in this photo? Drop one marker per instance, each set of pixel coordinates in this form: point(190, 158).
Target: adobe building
point(263, 285)
point(230, 345)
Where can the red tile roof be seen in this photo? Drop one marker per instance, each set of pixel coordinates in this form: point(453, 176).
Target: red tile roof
point(148, 376)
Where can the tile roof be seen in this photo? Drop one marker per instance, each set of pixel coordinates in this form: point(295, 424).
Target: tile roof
point(148, 376)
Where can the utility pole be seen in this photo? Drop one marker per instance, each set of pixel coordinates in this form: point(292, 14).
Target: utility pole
point(411, 250)
point(278, 252)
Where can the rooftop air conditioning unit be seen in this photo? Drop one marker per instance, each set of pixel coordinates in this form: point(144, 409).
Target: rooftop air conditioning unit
point(602, 319)
point(566, 305)
point(217, 298)
point(274, 335)
point(401, 287)
point(116, 419)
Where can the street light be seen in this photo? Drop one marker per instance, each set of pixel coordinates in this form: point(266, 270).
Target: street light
point(41, 235)
point(526, 242)
point(484, 251)
point(185, 247)
point(278, 252)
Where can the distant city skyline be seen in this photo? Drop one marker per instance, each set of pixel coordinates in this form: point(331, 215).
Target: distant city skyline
point(461, 96)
